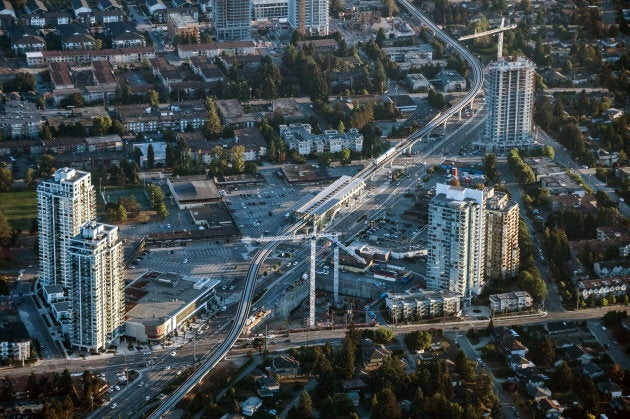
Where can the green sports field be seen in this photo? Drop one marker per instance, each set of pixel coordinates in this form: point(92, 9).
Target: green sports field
point(20, 208)
point(114, 194)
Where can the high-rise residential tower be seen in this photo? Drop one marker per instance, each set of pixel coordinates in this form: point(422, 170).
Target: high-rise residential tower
point(96, 295)
point(232, 19)
point(502, 249)
point(456, 240)
point(509, 102)
point(309, 16)
point(64, 203)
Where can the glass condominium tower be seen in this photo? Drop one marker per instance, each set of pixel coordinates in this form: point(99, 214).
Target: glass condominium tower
point(232, 19)
point(64, 202)
point(509, 91)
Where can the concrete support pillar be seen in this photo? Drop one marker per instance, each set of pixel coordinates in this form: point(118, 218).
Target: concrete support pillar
point(336, 276)
point(311, 296)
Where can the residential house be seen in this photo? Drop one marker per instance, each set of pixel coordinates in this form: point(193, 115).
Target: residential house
point(612, 268)
point(606, 158)
point(75, 37)
point(6, 9)
point(15, 342)
point(24, 147)
point(455, 379)
point(124, 35)
point(537, 393)
point(577, 354)
point(284, 366)
point(509, 345)
point(592, 371)
point(35, 6)
point(48, 19)
point(550, 408)
point(322, 46)
point(111, 142)
point(232, 114)
point(165, 72)
point(354, 385)
point(61, 145)
point(216, 49)
point(250, 406)
point(60, 76)
point(372, 356)
point(518, 362)
point(253, 142)
point(102, 17)
point(511, 301)
point(267, 386)
point(155, 6)
point(612, 113)
point(81, 9)
point(618, 236)
point(25, 38)
point(204, 68)
point(531, 376)
point(20, 119)
point(600, 288)
point(611, 388)
point(108, 5)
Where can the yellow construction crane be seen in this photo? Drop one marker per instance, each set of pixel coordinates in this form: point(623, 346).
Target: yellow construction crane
point(498, 30)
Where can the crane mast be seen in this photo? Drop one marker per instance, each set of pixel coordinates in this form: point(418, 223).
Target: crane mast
point(498, 31)
point(312, 238)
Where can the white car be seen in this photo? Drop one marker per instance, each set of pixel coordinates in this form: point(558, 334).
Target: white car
point(173, 353)
point(114, 406)
point(147, 398)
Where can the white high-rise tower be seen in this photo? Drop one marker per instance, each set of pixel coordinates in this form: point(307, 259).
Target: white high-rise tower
point(509, 101)
point(232, 19)
point(64, 203)
point(309, 16)
point(456, 240)
point(97, 291)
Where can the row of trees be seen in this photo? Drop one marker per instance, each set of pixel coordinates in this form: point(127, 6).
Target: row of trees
point(523, 172)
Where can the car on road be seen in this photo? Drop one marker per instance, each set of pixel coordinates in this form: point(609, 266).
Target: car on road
point(140, 384)
point(173, 353)
point(114, 406)
point(117, 388)
point(147, 398)
point(167, 368)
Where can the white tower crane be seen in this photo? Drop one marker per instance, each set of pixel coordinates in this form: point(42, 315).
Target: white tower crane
point(301, 237)
point(498, 30)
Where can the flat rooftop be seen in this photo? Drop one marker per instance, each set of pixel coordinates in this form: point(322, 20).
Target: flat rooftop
point(194, 189)
point(158, 296)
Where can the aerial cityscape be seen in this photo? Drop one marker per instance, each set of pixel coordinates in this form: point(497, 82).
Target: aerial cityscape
point(314, 208)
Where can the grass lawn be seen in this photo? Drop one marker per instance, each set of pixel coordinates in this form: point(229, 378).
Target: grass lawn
point(20, 208)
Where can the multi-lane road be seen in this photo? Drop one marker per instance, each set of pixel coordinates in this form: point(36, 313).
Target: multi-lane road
point(245, 301)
